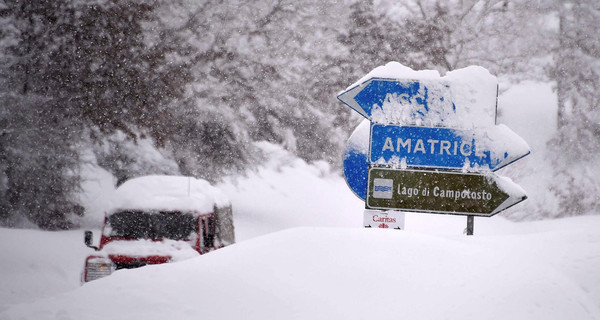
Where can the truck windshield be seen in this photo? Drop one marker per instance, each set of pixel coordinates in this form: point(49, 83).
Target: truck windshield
point(152, 225)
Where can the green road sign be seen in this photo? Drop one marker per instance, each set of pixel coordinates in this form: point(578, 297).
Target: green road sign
point(441, 192)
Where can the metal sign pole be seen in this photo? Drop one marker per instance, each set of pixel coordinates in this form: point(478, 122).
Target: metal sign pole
point(470, 225)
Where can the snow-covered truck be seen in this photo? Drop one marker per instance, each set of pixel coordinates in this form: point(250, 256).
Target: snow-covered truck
point(159, 219)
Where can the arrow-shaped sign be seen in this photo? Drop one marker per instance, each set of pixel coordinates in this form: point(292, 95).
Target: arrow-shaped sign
point(441, 192)
point(421, 96)
point(489, 148)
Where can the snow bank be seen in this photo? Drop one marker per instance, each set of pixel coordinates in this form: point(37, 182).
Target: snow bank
point(544, 270)
point(38, 264)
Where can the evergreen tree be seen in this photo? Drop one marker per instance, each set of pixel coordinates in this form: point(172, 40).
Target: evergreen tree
point(40, 164)
point(74, 65)
point(39, 132)
point(118, 78)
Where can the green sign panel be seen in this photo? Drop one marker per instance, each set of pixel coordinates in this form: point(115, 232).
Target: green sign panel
point(440, 192)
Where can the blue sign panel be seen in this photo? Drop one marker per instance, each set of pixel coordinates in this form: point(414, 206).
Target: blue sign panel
point(374, 92)
point(437, 148)
point(356, 171)
point(356, 164)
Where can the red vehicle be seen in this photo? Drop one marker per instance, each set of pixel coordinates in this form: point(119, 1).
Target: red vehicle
point(158, 219)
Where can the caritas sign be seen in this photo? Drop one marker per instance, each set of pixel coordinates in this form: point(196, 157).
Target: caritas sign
point(384, 219)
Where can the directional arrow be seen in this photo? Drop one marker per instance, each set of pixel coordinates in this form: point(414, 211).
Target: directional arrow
point(489, 148)
point(366, 97)
point(441, 192)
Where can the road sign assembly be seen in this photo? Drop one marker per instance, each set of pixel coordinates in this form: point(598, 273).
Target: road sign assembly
point(427, 147)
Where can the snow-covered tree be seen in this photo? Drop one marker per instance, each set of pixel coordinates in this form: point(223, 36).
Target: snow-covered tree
point(503, 36)
point(254, 72)
point(39, 164)
point(576, 72)
point(39, 128)
point(69, 66)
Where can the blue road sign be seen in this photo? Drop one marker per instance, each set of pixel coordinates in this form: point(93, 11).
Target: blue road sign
point(356, 164)
point(366, 96)
point(356, 171)
point(445, 148)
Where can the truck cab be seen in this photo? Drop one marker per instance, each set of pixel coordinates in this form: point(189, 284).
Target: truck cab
point(159, 219)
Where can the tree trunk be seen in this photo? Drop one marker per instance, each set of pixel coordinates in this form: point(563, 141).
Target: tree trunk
point(560, 67)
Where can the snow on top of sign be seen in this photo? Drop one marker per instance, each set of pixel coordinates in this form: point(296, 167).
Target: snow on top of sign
point(474, 92)
point(512, 189)
point(463, 98)
point(168, 193)
point(502, 143)
point(396, 70)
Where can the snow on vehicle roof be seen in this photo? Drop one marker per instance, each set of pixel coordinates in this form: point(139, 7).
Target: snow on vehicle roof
point(167, 193)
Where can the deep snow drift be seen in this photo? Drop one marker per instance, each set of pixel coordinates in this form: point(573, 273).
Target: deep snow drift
point(534, 270)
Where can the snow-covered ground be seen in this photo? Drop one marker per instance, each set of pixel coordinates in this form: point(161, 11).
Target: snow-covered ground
point(532, 270)
point(302, 254)
point(38, 264)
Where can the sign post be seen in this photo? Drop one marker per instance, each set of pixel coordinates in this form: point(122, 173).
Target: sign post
point(470, 225)
point(419, 157)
